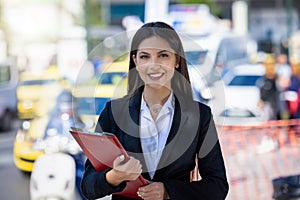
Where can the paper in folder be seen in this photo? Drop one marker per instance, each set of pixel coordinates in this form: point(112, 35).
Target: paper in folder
point(101, 149)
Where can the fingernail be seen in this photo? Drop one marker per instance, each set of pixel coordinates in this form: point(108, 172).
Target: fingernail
point(122, 157)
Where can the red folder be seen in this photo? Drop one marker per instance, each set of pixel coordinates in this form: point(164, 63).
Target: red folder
point(101, 149)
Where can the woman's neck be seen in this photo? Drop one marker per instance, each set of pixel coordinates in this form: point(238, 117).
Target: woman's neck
point(155, 96)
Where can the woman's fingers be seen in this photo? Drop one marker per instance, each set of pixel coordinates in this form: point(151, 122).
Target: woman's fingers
point(129, 170)
point(155, 191)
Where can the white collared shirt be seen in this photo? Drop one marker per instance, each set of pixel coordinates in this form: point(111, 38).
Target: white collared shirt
point(154, 134)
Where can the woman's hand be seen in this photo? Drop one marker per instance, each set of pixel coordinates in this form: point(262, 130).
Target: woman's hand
point(121, 171)
point(153, 191)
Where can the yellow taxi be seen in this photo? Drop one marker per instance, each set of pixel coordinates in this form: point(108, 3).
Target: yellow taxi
point(28, 133)
point(49, 133)
point(36, 93)
point(92, 95)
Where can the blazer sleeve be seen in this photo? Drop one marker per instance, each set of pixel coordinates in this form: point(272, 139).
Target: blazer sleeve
point(213, 184)
point(94, 184)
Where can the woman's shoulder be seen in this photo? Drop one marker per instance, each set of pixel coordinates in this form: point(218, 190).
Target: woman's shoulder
point(118, 103)
point(118, 100)
point(204, 108)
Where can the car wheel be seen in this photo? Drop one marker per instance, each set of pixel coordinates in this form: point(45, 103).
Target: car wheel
point(6, 123)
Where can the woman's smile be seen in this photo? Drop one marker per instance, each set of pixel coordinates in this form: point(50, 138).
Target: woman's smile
point(155, 76)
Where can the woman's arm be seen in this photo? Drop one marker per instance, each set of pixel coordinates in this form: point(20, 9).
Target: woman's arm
point(94, 184)
point(99, 184)
point(213, 184)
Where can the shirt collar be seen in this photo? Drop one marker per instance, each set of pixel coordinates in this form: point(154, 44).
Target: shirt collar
point(169, 104)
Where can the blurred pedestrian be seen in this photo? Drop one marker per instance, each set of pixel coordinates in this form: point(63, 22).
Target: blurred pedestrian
point(283, 71)
point(269, 93)
point(294, 89)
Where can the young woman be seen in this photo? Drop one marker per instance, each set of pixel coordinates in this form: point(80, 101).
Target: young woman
point(160, 126)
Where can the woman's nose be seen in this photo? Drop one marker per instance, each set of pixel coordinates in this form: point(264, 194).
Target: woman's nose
point(154, 63)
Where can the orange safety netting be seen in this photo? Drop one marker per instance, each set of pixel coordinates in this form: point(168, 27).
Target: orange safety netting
point(254, 155)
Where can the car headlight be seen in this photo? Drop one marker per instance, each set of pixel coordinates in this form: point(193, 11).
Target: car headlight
point(65, 116)
point(25, 125)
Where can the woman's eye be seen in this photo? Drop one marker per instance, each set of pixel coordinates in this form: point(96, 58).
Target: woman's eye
point(164, 55)
point(144, 57)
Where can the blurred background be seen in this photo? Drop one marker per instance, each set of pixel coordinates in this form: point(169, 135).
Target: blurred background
point(60, 61)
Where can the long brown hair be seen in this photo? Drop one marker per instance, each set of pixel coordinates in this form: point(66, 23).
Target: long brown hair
point(180, 81)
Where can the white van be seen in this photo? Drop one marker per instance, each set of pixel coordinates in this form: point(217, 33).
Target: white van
point(217, 54)
point(8, 99)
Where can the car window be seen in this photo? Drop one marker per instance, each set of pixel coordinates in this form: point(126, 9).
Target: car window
point(111, 78)
point(91, 105)
point(232, 50)
point(245, 80)
point(195, 57)
point(36, 82)
point(4, 74)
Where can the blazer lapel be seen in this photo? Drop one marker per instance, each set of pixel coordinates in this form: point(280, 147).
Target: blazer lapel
point(183, 131)
point(134, 111)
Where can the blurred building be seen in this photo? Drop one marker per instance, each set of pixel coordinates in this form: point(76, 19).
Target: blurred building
point(37, 39)
point(270, 22)
point(39, 34)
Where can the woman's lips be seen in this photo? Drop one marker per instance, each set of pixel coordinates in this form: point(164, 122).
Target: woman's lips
point(155, 76)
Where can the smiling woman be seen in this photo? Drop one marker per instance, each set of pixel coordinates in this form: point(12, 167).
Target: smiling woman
point(158, 124)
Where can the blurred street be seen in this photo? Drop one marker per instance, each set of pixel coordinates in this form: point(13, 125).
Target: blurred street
point(253, 157)
point(60, 65)
point(14, 184)
point(256, 155)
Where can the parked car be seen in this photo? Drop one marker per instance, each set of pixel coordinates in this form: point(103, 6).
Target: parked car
point(36, 94)
point(8, 98)
point(92, 95)
point(241, 96)
point(28, 132)
point(30, 142)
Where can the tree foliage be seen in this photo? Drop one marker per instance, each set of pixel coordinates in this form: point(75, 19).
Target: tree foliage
point(93, 13)
point(214, 8)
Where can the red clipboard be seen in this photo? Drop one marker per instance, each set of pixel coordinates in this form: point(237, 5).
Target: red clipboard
point(101, 149)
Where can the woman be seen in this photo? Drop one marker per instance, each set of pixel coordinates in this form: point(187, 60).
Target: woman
point(160, 126)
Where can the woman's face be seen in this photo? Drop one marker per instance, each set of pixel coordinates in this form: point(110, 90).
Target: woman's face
point(155, 61)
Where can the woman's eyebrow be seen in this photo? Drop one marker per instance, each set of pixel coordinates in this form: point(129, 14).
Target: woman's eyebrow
point(142, 52)
point(162, 51)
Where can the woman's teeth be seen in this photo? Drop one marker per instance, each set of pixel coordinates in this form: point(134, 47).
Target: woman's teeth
point(156, 75)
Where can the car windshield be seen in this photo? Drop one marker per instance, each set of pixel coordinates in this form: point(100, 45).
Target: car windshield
point(91, 105)
point(111, 77)
point(37, 82)
point(237, 113)
point(195, 57)
point(244, 80)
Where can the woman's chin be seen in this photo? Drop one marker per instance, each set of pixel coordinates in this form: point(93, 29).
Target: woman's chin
point(156, 86)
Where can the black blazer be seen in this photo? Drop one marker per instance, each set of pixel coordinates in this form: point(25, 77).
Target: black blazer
point(192, 132)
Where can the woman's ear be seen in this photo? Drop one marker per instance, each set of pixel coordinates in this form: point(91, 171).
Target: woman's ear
point(134, 59)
